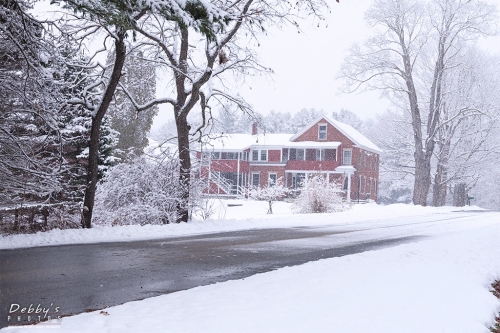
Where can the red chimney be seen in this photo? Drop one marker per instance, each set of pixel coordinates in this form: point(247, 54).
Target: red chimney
point(254, 128)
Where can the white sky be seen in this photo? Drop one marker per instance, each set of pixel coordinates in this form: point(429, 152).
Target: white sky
point(305, 66)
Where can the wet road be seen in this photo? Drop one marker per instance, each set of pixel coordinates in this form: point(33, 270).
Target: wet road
point(78, 278)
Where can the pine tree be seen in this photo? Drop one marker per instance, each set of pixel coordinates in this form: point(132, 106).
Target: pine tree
point(133, 127)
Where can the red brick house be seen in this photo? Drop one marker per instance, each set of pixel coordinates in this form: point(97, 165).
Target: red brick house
point(324, 146)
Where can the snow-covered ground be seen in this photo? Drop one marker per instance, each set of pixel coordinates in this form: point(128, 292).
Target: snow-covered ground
point(438, 284)
point(229, 215)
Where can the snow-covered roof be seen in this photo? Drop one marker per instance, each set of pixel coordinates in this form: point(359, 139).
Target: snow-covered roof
point(312, 144)
point(157, 148)
point(238, 142)
point(350, 132)
point(243, 141)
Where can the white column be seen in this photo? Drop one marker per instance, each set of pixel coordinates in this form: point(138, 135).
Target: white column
point(348, 187)
point(238, 175)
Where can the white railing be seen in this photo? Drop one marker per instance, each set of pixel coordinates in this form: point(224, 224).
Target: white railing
point(225, 185)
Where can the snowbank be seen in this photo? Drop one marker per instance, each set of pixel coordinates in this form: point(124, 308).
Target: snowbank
point(250, 215)
point(436, 285)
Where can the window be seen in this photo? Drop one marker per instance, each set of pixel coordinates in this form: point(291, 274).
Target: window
point(272, 179)
point(347, 157)
point(284, 155)
point(263, 155)
point(259, 155)
point(300, 154)
point(321, 132)
point(255, 179)
point(255, 155)
point(300, 178)
point(229, 156)
point(330, 155)
point(320, 154)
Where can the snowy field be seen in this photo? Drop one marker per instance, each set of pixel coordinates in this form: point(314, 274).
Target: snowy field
point(439, 284)
point(229, 215)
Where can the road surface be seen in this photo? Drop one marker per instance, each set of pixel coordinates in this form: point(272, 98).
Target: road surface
point(79, 278)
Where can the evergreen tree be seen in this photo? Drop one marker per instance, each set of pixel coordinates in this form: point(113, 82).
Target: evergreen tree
point(133, 127)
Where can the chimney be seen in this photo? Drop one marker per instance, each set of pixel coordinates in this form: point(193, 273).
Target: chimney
point(254, 128)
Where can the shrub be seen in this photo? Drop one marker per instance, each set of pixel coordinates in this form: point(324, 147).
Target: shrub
point(145, 190)
point(270, 193)
point(318, 195)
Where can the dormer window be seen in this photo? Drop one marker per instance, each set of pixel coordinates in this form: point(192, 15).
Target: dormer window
point(322, 132)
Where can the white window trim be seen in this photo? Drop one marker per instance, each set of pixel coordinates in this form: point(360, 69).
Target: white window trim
point(251, 178)
point(322, 153)
point(269, 177)
point(326, 131)
point(260, 155)
point(344, 150)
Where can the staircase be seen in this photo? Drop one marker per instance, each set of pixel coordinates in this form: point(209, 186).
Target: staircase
point(225, 185)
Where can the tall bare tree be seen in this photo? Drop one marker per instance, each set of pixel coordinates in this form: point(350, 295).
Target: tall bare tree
point(470, 112)
point(415, 44)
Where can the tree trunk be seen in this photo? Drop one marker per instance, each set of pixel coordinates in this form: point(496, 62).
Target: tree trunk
point(439, 188)
point(422, 180)
point(185, 167)
point(459, 195)
point(92, 168)
point(441, 177)
point(270, 210)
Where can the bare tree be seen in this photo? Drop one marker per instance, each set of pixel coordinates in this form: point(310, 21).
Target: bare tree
point(201, 66)
point(470, 112)
point(407, 59)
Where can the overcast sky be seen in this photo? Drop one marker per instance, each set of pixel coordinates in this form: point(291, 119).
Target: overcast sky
point(305, 66)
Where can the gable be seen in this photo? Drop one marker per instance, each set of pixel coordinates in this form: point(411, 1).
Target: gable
point(310, 133)
point(336, 131)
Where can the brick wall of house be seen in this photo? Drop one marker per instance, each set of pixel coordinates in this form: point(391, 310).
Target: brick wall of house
point(312, 165)
point(332, 134)
point(264, 171)
point(274, 155)
point(369, 172)
point(224, 165)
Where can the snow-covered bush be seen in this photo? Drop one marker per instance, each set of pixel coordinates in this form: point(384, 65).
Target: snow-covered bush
point(145, 190)
point(318, 195)
point(270, 193)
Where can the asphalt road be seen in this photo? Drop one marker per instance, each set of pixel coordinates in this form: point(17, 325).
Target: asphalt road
point(79, 278)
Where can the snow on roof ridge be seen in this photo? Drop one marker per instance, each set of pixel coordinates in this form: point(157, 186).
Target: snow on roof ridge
point(356, 136)
point(350, 132)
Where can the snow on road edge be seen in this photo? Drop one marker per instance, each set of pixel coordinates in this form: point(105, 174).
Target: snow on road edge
point(237, 219)
point(434, 285)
